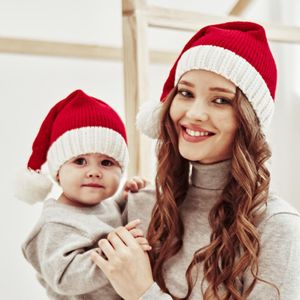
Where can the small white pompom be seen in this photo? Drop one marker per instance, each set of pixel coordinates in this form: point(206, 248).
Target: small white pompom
point(148, 119)
point(31, 186)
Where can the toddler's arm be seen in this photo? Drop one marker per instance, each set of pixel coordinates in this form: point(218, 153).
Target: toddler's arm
point(61, 254)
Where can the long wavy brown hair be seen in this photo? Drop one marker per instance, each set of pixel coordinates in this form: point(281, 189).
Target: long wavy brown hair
point(234, 242)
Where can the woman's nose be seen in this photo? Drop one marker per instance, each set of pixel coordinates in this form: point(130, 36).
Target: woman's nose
point(198, 111)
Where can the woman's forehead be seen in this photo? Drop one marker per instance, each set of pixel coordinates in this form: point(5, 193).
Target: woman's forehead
point(208, 78)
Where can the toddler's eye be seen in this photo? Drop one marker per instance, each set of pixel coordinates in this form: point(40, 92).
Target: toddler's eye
point(107, 163)
point(80, 161)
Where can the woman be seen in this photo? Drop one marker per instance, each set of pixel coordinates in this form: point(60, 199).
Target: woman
point(217, 233)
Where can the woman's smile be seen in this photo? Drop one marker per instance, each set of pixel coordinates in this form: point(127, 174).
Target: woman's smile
point(195, 135)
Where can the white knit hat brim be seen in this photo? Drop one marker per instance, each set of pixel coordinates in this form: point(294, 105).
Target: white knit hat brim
point(86, 140)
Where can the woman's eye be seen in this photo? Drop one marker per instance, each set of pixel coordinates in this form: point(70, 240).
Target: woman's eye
point(222, 101)
point(185, 93)
point(80, 161)
point(107, 163)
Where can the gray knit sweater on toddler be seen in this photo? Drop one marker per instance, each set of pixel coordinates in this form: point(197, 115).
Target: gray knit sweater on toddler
point(59, 248)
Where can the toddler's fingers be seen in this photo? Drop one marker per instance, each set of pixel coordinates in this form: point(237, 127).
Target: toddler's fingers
point(141, 183)
point(131, 186)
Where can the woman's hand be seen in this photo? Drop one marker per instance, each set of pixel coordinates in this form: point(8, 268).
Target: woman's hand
point(127, 265)
point(138, 234)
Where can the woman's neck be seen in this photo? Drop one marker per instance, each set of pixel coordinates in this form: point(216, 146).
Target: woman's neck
point(211, 176)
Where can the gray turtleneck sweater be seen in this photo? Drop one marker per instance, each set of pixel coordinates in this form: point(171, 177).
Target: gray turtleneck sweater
point(279, 260)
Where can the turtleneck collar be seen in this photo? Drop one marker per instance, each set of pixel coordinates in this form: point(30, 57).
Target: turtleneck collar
point(210, 177)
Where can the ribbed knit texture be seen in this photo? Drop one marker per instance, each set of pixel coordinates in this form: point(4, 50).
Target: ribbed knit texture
point(279, 260)
point(245, 39)
point(79, 124)
point(87, 140)
point(82, 110)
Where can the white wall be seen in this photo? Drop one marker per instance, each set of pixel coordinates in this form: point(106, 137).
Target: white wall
point(30, 85)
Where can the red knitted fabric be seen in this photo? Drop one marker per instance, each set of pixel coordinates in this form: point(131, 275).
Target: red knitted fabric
point(76, 111)
point(245, 39)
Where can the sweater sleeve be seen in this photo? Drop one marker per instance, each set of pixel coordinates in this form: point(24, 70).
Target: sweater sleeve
point(279, 260)
point(154, 292)
point(61, 254)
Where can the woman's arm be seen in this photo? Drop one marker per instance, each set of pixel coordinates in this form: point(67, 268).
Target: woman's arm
point(127, 267)
point(279, 260)
point(62, 255)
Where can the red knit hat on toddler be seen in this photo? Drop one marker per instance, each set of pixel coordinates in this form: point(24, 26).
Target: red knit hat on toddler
point(79, 124)
point(238, 51)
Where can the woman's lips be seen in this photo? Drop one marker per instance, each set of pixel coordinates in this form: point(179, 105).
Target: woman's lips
point(195, 135)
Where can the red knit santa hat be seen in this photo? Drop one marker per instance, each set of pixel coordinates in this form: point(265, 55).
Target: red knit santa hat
point(79, 124)
point(238, 51)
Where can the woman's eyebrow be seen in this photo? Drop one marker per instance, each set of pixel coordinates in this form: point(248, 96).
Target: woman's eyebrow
point(220, 89)
point(184, 82)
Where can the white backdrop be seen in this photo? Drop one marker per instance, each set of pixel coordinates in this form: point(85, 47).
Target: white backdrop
point(30, 85)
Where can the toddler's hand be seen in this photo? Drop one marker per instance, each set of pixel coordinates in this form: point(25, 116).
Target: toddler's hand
point(134, 184)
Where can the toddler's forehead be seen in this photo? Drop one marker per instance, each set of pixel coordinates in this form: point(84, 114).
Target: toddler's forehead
point(97, 155)
point(94, 154)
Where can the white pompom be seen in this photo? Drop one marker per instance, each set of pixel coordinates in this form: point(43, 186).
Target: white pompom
point(31, 186)
point(148, 119)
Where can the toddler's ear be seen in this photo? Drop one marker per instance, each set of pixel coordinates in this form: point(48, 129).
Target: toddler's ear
point(57, 178)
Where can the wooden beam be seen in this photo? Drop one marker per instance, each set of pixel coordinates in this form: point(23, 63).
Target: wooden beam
point(62, 49)
point(282, 34)
point(71, 50)
point(239, 7)
point(191, 21)
point(136, 61)
point(160, 17)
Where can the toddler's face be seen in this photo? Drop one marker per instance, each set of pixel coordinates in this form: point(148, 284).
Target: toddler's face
point(88, 179)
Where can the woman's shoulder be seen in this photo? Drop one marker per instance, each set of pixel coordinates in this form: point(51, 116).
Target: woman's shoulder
point(148, 191)
point(140, 204)
point(279, 260)
point(277, 205)
point(280, 215)
point(144, 199)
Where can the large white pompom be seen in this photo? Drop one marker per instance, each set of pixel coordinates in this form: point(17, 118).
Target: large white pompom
point(148, 119)
point(31, 186)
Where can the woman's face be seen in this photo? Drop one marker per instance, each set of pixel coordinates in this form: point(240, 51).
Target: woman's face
point(204, 117)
